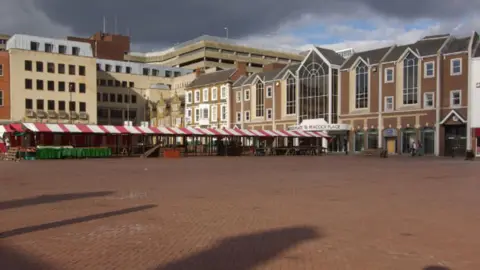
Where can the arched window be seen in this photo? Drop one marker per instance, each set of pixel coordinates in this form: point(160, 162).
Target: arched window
point(291, 95)
point(410, 80)
point(260, 99)
point(361, 86)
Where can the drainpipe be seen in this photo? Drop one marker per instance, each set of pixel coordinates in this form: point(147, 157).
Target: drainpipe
point(469, 103)
point(437, 107)
point(380, 108)
point(273, 106)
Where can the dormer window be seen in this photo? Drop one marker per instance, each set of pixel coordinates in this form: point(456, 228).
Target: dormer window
point(128, 70)
point(118, 69)
point(146, 71)
point(108, 68)
point(75, 51)
point(48, 47)
point(155, 72)
point(410, 80)
point(62, 49)
point(34, 46)
point(361, 86)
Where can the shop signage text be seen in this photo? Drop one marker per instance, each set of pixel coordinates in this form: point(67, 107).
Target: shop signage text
point(321, 127)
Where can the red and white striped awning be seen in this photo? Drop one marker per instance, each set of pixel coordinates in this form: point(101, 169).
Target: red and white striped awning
point(188, 131)
point(5, 129)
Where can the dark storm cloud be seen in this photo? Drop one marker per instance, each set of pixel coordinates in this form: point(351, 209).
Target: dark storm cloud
point(167, 22)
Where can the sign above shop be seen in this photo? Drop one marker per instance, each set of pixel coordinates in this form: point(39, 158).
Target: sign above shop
point(390, 132)
point(326, 127)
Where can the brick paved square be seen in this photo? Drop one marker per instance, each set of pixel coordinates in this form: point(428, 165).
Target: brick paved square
point(331, 212)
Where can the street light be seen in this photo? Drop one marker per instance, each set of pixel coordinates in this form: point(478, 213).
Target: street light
point(226, 31)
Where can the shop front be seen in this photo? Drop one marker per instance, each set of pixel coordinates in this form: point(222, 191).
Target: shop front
point(477, 141)
point(339, 133)
point(390, 140)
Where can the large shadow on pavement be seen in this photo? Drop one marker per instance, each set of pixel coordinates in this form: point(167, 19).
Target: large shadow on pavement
point(13, 259)
point(44, 199)
point(436, 267)
point(65, 222)
point(245, 251)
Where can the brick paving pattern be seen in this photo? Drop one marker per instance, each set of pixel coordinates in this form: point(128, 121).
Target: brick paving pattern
point(331, 212)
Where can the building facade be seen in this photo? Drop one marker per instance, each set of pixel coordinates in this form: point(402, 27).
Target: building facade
point(394, 96)
point(474, 99)
point(107, 46)
point(4, 86)
point(3, 41)
point(208, 51)
point(208, 97)
point(54, 80)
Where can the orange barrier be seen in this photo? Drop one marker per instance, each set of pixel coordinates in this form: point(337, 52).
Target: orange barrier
point(171, 153)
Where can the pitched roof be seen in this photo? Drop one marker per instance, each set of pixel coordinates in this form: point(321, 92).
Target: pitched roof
point(332, 57)
point(457, 45)
point(239, 81)
point(292, 68)
point(427, 46)
point(372, 57)
point(395, 53)
point(212, 78)
point(264, 75)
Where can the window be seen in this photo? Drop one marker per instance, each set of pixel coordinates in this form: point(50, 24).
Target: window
point(39, 84)
point(39, 66)
point(81, 70)
point(50, 67)
point(62, 49)
point(205, 95)
point(213, 114)
point(118, 69)
point(388, 104)
point(75, 50)
point(131, 84)
point(40, 104)
point(61, 86)
point(28, 65)
point(71, 69)
point(155, 72)
point(197, 96)
point(410, 80)
point(247, 116)
point(455, 98)
point(34, 46)
point(61, 106)
point(223, 112)
point(239, 116)
point(238, 96)
point(214, 93)
point(82, 106)
point(117, 83)
point(361, 86)
point(110, 82)
point(189, 97)
point(269, 92)
point(126, 98)
point(205, 113)
point(269, 114)
point(223, 92)
point(1, 70)
point(71, 87)
point(260, 100)
point(247, 95)
point(28, 104)
point(197, 115)
point(168, 73)
point(133, 99)
point(291, 95)
point(428, 100)
point(82, 88)
point(99, 97)
point(28, 84)
point(124, 84)
point(389, 75)
point(112, 98)
point(1, 98)
point(71, 106)
point(119, 98)
point(429, 69)
point(61, 68)
point(48, 47)
point(51, 105)
point(128, 70)
point(51, 86)
point(146, 71)
point(189, 115)
point(455, 66)
point(177, 74)
point(108, 67)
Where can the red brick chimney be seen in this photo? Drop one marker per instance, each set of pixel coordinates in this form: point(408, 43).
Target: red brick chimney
point(273, 66)
point(241, 70)
point(198, 72)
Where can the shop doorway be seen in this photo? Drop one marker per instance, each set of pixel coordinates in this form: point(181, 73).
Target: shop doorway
point(391, 145)
point(455, 140)
point(428, 141)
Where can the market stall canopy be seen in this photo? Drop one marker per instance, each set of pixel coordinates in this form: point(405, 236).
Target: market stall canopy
point(187, 131)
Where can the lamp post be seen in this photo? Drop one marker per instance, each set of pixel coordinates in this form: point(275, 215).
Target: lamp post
point(226, 31)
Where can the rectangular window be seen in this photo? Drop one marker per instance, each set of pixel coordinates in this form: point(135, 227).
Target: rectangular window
point(429, 69)
point(75, 51)
point(34, 46)
point(238, 96)
point(1, 70)
point(124, 84)
point(28, 104)
point(112, 97)
point(1, 98)
point(389, 75)
point(50, 67)
point(61, 68)
point(51, 86)
point(71, 69)
point(40, 104)
point(291, 96)
point(247, 95)
point(134, 99)
point(39, 84)
point(214, 93)
point(28, 84)
point(128, 70)
point(71, 87)
point(48, 47)
point(81, 71)
point(126, 98)
point(388, 104)
point(205, 113)
point(51, 105)
point(28, 65)
point(71, 106)
point(205, 95)
point(120, 98)
point(118, 69)
point(223, 112)
point(223, 92)
point(269, 92)
point(247, 116)
point(189, 97)
point(61, 86)
point(104, 97)
point(61, 106)
point(189, 116)
point(456, 66)
point(108, 67)
point(62, 49)
point(428, 100)
point(260, 100)
point(410, 80)
point(131, 84)
point(455, 98)
point(197, 96)
point(361, 86)
point(82, 106)
point(213, 114)
point(117, 83)
point(197, 115)
point(110, 83)
point(82, 88)
point(239, 117)
point(269, 114)
point(39, 66)
point(155, 72)
point(146, 71)
point(99, 97)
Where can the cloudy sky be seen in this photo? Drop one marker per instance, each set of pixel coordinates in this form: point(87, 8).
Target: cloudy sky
point(156, 24)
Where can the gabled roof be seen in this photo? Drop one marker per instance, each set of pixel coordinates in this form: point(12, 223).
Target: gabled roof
point(457, 45)
point(264, 76)
point(239, 81)
point(332, 57)
point(212, 78)
point(372, 57)
point(429, 45)
point(292, 68)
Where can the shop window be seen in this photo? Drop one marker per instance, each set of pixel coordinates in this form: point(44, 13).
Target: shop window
point(372, 139)
point(359, 141)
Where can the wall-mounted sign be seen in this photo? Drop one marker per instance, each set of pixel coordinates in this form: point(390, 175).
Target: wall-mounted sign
point(390, 132)
point(326, 127)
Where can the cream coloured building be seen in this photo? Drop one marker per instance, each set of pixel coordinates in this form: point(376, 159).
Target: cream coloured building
point(54, 80)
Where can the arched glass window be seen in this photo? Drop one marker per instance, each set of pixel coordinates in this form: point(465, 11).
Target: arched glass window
point(410, 79)
point(291, 95)
point(260, 99)
point(361, 86)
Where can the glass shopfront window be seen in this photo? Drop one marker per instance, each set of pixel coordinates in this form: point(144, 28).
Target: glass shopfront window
point(408, 137)
point(359, 141)
point(372, 139)
point(428, 141)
